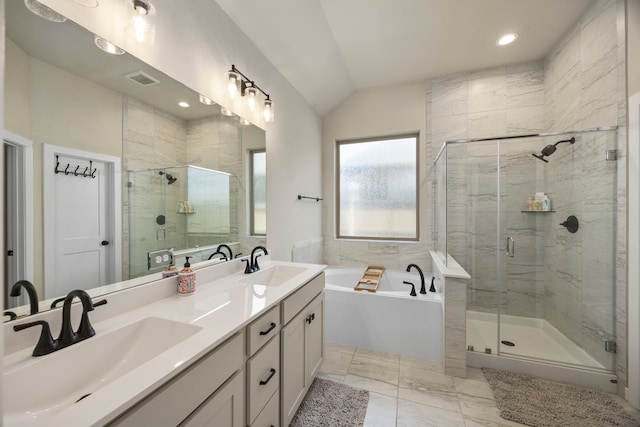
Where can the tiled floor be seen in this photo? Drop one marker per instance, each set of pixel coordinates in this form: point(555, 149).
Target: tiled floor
point(412, 393)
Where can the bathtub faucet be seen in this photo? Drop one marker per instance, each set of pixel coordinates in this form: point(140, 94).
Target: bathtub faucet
point(423, 289)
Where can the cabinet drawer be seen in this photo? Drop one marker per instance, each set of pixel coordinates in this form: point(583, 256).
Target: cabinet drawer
point(296, 302)
point(174, 401)
point(263, 378)
point(270, 415)
point(262, 329)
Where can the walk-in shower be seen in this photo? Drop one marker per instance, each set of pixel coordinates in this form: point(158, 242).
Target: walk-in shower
point(542, 288)
point(177, 208)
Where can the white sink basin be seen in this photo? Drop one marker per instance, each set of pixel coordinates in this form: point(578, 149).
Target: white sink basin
point(273, 276)
point(48, 384)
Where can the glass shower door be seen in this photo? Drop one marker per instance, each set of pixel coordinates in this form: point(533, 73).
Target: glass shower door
point(557, 301)
point(472, 201)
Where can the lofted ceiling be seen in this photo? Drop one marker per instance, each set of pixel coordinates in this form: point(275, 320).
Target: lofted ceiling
point(329, 49)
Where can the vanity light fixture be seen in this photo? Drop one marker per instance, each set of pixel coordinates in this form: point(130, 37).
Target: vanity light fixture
point(238, 82)
point(142, 17)
point(107, 46)
point(507, 39)
point(206, 101)
point(183, 104)
point(43, 11)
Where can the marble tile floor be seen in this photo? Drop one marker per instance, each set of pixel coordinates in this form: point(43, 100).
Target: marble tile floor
point(407, 392)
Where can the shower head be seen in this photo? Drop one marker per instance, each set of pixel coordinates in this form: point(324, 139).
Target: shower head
point(170, 178)
point(550, 149)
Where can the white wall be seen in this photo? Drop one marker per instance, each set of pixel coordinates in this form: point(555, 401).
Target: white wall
point(196, 43)
point(389, 110)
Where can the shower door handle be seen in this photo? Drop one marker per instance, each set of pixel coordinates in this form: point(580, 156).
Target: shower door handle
point(511, 247)
point(161, 234)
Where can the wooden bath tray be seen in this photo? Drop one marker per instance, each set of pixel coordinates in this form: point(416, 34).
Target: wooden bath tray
point(370, 280)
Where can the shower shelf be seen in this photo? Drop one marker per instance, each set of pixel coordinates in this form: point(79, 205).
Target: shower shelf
point(538, 212)
point(186, 213)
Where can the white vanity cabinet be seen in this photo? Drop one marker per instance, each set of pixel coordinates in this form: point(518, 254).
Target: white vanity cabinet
point(210, 392)
point(263, 369)
point(302, 344)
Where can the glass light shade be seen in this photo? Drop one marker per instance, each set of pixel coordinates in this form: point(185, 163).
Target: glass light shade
point(206, 101)
point(251, 96)
point(43, 11)
point(268, 111)
point(226, 112)
point(107, 46)
point(142, 20)
point(232, 84)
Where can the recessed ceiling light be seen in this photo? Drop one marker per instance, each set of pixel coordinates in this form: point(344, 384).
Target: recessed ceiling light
point(507, 39)
point(206, 101)
point(244, 122)
point(226, 111)
point(107, 46)
point(87, 3)
point(44, 11)
point(183, 104)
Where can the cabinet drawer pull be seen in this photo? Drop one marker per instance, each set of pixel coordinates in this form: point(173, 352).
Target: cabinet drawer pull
point(273, 372)
point(311, 318)
point(273, 325)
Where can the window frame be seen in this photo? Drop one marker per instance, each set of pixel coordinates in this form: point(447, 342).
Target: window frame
point(252, 223)
point(416, 136)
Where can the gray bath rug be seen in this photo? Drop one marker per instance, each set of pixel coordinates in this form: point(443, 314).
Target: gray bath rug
point(541, 403)
point(331, 404)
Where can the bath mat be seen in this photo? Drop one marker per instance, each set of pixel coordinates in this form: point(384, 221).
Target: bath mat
point(331, 404)
point(540, 403)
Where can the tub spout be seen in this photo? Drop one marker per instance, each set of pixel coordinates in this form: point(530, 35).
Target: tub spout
point(423, 290)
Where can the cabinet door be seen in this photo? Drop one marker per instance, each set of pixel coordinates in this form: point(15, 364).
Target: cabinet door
point(315, 337)
point(292, 369)
point(225, 408)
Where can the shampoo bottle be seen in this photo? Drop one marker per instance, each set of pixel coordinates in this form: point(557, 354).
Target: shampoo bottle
point(186, 279)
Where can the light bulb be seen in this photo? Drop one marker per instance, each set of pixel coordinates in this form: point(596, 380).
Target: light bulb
point(251, 94)
point(232, 84)
point(268, 111)
point(142, 17)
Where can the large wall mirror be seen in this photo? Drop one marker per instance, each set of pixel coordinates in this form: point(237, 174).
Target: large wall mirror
point(107, 174)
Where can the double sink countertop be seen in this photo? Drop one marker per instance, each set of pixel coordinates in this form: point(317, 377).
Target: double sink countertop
point(153, 321)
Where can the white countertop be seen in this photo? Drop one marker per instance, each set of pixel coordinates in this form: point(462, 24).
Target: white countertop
point(221, 306)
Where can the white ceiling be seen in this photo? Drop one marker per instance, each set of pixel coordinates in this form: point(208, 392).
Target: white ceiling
point(328, 49)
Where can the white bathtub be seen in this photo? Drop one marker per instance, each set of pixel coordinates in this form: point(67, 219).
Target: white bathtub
point(389, 320)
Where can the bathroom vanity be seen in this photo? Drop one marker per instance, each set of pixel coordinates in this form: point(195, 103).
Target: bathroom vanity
point(242, 351)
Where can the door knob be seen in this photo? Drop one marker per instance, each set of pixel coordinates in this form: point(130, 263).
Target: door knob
point(104, 242)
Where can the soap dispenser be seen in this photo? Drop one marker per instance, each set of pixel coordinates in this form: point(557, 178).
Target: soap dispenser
point(186, 279)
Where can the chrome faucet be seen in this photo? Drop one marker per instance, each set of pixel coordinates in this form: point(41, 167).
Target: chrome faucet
point(31, 291)
point(227, 248)
point(46, 344)
point(423, 289)
point(252, 262)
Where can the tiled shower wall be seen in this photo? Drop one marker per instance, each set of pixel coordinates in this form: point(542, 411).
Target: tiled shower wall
point(585, 88)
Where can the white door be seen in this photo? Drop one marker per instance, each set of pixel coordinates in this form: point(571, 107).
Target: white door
point(81, 246)
point(81, 234)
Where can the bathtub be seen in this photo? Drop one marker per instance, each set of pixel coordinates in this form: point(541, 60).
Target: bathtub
point(389, 320)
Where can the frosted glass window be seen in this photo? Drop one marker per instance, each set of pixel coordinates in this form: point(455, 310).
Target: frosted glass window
point(377, 188)
point(258, 193)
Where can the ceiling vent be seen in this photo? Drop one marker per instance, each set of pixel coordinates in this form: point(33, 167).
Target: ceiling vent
point(142, 78)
